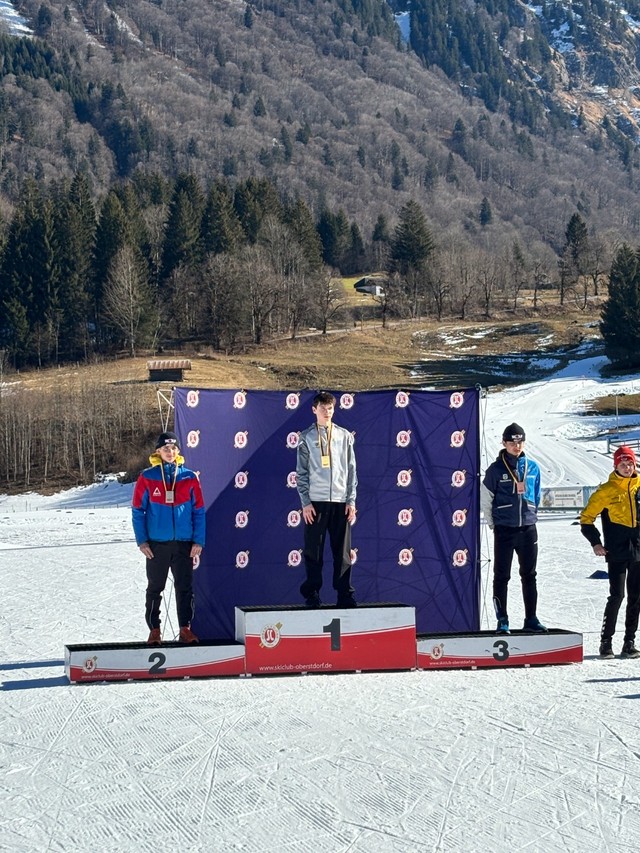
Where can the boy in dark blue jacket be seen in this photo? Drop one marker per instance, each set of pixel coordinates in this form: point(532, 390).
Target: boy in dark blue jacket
point(169, 524)
point(509, 499)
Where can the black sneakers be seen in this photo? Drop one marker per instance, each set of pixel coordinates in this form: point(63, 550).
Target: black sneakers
point(606, 650)
point(535, 625)
point(629, 650)
point(346, 601)
point(313, 600)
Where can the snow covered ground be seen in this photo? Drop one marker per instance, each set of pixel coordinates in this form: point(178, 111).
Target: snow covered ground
point(542, 759)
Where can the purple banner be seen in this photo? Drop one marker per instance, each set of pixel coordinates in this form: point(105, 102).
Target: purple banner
point(416, 539)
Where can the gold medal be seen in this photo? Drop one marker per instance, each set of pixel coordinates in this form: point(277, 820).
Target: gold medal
point(326, 461)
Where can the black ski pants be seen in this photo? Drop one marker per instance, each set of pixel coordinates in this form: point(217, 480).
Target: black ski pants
point(619, 572)
point(522, 541)
point(175, 556)
point(330, 519)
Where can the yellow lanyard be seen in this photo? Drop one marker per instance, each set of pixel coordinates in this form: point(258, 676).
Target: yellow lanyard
point(327, 443)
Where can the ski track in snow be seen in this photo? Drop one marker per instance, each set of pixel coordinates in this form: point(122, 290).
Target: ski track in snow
point(455, 761)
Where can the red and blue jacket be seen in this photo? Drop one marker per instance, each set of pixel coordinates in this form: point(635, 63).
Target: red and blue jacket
point(155, 520)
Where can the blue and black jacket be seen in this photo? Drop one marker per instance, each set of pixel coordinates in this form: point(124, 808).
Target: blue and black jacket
point(155, 520)
point(501, 504)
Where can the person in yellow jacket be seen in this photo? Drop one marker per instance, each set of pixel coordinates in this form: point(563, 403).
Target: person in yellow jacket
point(616, 502)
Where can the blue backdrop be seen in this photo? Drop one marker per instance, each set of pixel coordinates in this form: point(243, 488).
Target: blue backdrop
point(417, 532)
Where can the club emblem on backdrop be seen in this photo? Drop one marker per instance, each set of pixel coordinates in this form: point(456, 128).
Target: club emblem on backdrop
point(460, 558)
point(242, 518)
point(405, 517)
point(240, 440)
point(292, 401)
point(436, 651)
point(402, 399)
point(196, 562)
point(459, 518)
point(457, 438)
point(353, 556)
point(404, 477)
point(90, 664)
point(458, 479)
point(292, 440)
point(456, 400)
point(242, 559)
point(241, 479)
point(294, 518)
point(403, 439)
point(405, 557)
point(295, 558)
point(270, 636)
point(193, 398)
point(292, 480)
point(239, 400)
point(347, 401)
point(193, 438)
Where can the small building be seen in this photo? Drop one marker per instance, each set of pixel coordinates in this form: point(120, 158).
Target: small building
point(370, 285)
point(168, 369)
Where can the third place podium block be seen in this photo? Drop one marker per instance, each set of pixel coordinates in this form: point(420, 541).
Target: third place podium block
point(488, 649)
point(281, 640)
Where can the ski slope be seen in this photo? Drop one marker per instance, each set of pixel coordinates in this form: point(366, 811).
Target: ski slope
point(543, 759)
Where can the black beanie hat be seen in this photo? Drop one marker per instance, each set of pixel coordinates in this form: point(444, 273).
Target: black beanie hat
point(513, 432)
point(167, 438)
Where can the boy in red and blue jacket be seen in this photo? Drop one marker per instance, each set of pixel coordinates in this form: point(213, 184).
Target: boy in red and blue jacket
point(168, 516)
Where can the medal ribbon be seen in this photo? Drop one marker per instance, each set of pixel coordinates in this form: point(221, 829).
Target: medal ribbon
point(327, 444)
point(164, 482)
point(514, 476)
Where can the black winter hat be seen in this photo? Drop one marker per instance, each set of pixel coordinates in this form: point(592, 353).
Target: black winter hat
point(167, 438)
point(513, 432)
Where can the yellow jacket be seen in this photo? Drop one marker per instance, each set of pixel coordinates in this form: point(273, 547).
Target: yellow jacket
point(616, 502)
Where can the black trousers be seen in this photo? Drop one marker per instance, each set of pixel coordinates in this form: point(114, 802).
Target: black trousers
point(618, 573)
point(175, 556)
point(330, 518)
point(522, 541)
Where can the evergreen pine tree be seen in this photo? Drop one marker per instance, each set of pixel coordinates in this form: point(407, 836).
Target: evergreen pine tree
point(620, 324)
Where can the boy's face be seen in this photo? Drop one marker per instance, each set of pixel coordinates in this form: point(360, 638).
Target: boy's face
point(625, 467)
point(323, 413)
point(514, 446)
point(168, 452)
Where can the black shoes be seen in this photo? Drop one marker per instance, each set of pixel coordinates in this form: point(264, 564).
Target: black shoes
point(313, 600)
point(606, 650)
point(629, 650)
point(535, 625)
point(346, 601)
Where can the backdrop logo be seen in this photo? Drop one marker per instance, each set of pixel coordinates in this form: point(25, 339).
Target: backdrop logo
point(292, 440)
point(402, 399)
point(457, 438)
point(193, 438)
point(459, 518)
point(241, 439)
point(293, 518)
point(292, 401)
point(353, 556)
point(404, 477)
point(270, 636)
point(456, 400)
point(405, 517)
point(458, 479)
point(460, 558)
point(295, 558)
point(196, 562)
point(242, 559)
point(436, 651)
point(405, 557)
point(292, 480)
point(193, 398)
point(403, 438)
point(242, 518)
point(241, 480)
point(347, 401)
point(90, 664)
point(239, 400)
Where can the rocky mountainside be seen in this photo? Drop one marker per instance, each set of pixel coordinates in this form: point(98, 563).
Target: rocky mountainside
point(501, 119)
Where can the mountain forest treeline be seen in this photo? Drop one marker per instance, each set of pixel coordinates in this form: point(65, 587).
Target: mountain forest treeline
point(161, 264)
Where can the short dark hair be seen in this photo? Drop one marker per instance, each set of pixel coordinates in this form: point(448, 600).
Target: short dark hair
point(325, 398)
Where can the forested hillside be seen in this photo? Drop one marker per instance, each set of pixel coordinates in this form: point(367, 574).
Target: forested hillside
point(184, 172)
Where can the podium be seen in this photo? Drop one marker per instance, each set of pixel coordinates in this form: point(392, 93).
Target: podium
point(281, 640)
point(136, 661)
point(489, 649)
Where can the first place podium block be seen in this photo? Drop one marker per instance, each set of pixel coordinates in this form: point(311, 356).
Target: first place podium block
point(135, 661)
point(488, 649)
point(281, 640)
